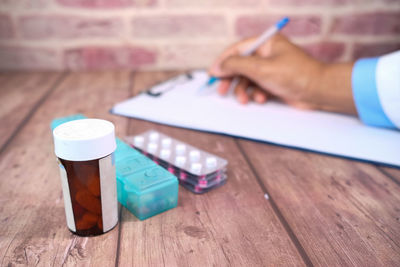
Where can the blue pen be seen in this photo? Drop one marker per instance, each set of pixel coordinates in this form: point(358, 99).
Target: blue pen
point(253, 47)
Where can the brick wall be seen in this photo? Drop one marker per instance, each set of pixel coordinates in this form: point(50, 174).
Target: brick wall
point(171, 34)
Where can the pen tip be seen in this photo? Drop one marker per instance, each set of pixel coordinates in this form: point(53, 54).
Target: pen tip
point(282, 22)
point(212, 80)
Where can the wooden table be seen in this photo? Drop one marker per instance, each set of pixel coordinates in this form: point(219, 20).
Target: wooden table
point(322, 210)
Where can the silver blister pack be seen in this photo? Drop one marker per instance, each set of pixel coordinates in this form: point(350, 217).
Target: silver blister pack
point(178, 154)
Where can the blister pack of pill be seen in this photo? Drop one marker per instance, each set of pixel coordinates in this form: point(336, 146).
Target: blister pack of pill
point(197, 170)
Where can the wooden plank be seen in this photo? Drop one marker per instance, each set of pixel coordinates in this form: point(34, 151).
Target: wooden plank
point(343, 212)
point(392, 173)
point(231, 225)
point(19, 93)
point(33, 228)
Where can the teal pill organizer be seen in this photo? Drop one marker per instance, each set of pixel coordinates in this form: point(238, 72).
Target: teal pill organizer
point(143, 187)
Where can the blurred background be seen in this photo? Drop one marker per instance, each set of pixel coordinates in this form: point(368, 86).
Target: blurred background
point(181, 34)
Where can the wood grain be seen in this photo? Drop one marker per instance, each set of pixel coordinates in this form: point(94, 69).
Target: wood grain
point(344, 213)
point(232, 225)
point(33, 227)
point(322, 210)
point(19, 93)
point(393, 173)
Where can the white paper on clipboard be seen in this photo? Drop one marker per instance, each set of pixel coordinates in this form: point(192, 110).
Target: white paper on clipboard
point(177, 102)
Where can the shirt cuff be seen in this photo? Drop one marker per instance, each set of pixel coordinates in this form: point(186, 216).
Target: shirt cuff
point(365, 94)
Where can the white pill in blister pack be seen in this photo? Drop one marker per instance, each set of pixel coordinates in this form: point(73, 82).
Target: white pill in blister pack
point(180, 149)
point(211, 162)
point(180, 161)
point(138, 141)
point(175, 153)
point(166, 142)
point(196, 167)
point(194, 155)
point(154, 136)
point(152, 147)
point(165, 153)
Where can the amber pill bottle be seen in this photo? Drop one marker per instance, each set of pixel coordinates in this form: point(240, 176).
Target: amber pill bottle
point(85, 151)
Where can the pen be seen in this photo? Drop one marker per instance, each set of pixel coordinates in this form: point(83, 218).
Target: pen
point(253, 47)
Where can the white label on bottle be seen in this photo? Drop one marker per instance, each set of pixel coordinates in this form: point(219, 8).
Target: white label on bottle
point(69, 213)
point(108, 188)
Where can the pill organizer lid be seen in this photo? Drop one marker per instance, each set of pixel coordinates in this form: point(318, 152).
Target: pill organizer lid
point(85, 139)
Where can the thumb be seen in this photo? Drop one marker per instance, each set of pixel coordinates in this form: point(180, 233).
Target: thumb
point(252, 67)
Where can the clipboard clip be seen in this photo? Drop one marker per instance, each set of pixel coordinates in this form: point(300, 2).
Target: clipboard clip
point(160, 89)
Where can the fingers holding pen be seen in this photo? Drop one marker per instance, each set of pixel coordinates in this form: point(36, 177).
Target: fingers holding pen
point(224, 86)
point(259, 95)
point(244, 91)
point(241, 91)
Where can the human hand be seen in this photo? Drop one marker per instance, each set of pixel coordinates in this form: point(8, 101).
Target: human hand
point(278, 68)
point(283, 70)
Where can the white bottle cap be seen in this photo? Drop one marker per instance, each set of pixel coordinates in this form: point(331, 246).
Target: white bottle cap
point(85, 139)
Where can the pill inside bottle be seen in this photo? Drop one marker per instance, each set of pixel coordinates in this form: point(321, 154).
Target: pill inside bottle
point(85, 150)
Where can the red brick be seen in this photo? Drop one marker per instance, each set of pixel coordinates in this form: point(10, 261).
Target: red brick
point(6, 27)
point(374, 50)
point(292, 3)
point(105, 3)
point(97, 58)
point(63, 27)
point(184, 56)
point(186, 26)
point(212, 3)
point(326, 51)
point(368, 23)
point(23, 4)
point(306, 3)
point(23, 58)
point(247, 26)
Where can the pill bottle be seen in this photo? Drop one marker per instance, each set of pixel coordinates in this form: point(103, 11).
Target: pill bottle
point(85, 151)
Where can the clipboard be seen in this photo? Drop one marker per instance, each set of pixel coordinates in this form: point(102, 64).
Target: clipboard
point(179, 102)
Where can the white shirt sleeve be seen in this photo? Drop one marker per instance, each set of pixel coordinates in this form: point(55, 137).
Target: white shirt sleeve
point(376, 90)
point(388, 86)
